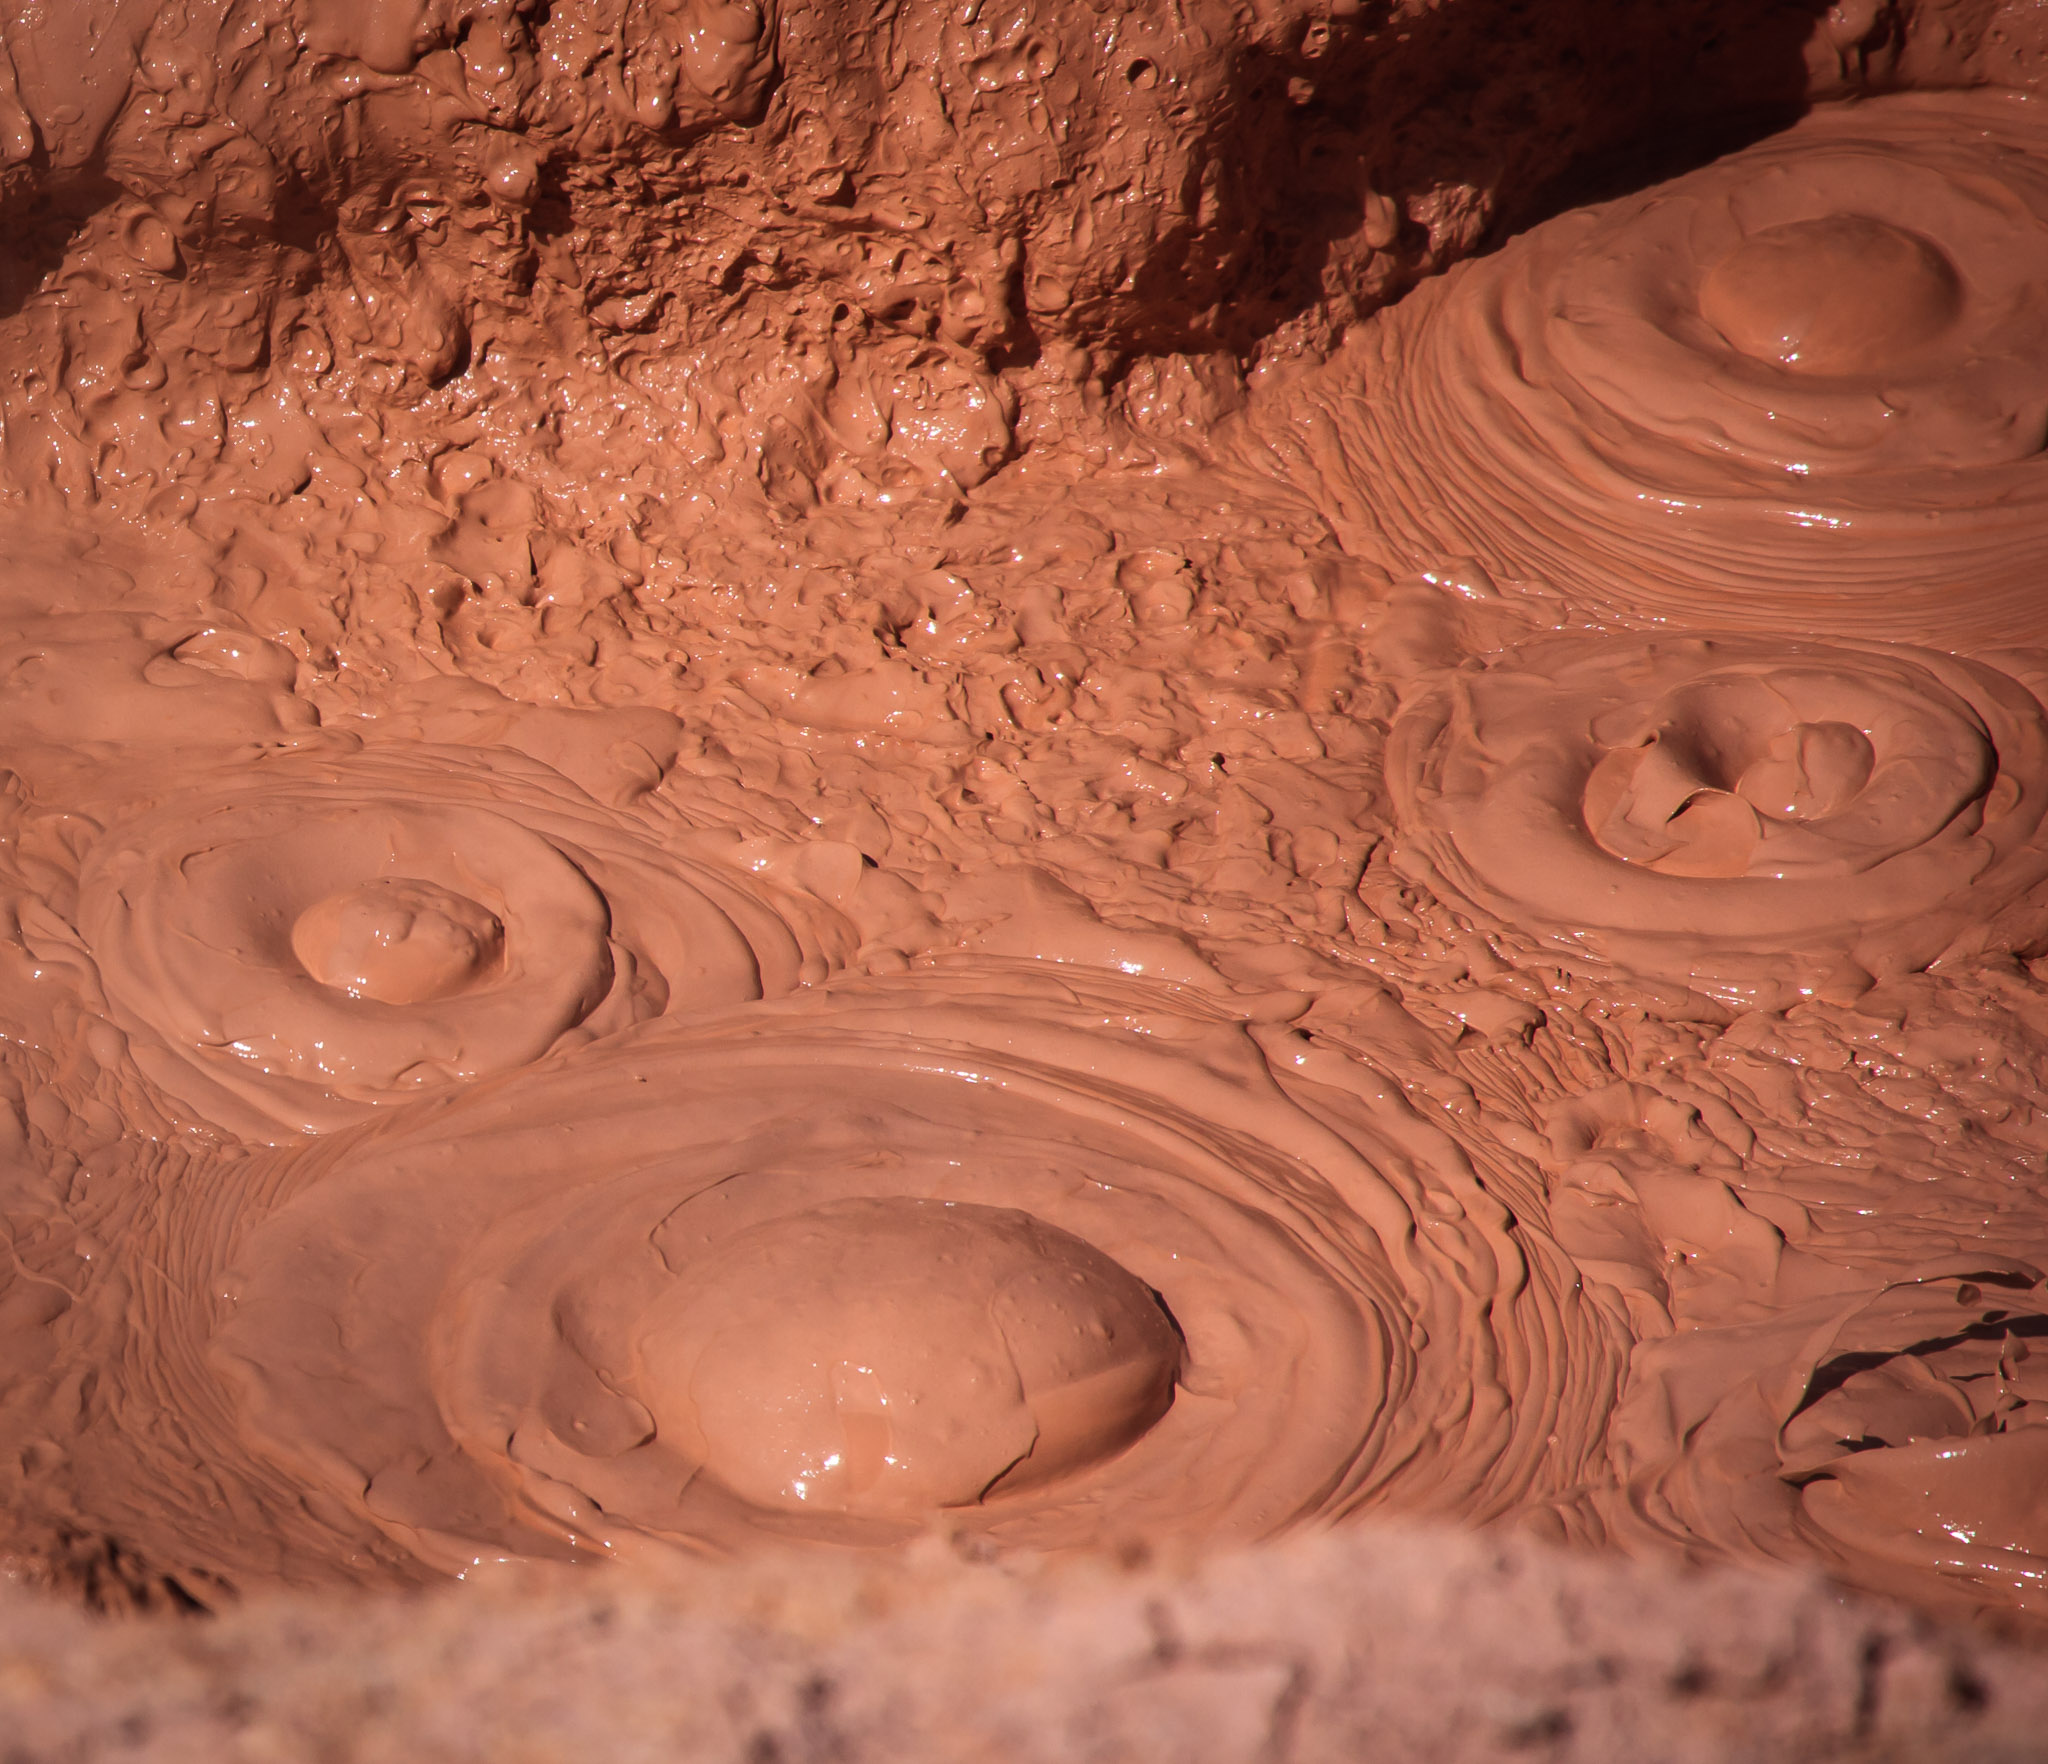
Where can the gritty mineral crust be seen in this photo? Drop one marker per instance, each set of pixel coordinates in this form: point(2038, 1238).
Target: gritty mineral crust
point(1400, 1647)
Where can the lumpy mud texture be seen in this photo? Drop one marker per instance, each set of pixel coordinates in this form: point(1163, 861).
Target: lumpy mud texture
point(788, 776)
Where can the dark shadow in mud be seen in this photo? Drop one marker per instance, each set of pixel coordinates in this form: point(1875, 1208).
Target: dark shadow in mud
point(1638, 165)
point(1364, 134)
point(111, 1580)
point(43, 222)
point(42, 218)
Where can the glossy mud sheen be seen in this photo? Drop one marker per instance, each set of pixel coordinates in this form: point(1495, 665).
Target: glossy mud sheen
point(710, 838)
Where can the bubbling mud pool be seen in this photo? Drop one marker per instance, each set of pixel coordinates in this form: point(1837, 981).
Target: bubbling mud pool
point(1051, 1259)
point(1752, 819)
point(1059, 1260)
point(1455, 930)
point(310, 939)
point(1799, 389)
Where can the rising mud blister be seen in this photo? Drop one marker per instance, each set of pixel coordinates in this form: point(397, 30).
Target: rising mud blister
point(1757, 819)
point(821, 880)
point(301, 941)
point(1058, 1262)
point(1799, 389)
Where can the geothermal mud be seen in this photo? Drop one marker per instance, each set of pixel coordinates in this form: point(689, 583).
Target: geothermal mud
point(731, 819)
point(1797, 390)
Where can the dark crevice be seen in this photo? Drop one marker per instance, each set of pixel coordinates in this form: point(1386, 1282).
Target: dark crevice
point(1529, 113)
point(42, 226)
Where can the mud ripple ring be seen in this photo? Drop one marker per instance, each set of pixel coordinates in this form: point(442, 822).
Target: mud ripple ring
point(1749, 817)
point(290, 949)
point(901, 1254)
point(1805, 386)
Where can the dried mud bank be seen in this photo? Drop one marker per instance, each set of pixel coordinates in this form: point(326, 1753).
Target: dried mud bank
point(1421, 1646)
point(775, 775)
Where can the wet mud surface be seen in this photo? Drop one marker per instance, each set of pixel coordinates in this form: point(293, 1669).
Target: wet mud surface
point(729, 820)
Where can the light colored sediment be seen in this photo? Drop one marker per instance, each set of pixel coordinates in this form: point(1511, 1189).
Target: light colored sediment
point(1388, 1645)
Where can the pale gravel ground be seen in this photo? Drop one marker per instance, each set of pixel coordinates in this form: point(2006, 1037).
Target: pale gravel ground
point(1380, 1646)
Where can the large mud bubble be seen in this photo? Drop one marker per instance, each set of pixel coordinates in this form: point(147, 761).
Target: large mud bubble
point(1802, 388)
point(1756, 818)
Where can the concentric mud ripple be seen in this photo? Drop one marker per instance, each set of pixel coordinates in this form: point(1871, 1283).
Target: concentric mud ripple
point(1805, 387)
point(296, 944)
point(1054, 1262)
point(1755, 819)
